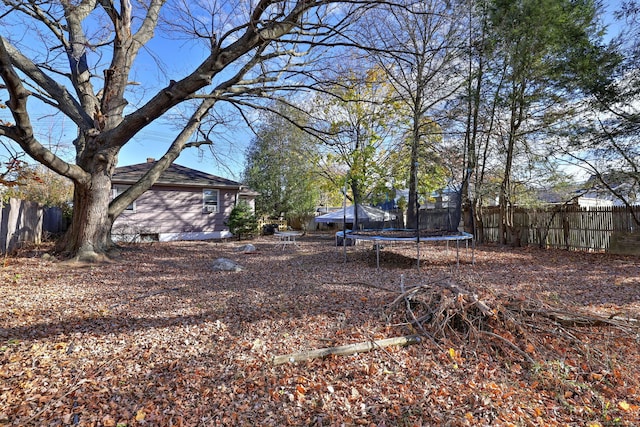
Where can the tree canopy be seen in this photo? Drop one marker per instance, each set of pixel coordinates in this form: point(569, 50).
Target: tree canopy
point(279, 166)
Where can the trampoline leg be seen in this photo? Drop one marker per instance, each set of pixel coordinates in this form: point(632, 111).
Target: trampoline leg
point(473, 252)
point(344, 247)
point(457, 253)
point(377, 256)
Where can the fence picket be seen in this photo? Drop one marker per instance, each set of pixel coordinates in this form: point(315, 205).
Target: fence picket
point(569, 227)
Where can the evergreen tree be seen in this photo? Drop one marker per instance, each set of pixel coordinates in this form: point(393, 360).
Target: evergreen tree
point(604, 138)
point(279, 165)
point(242, 221)
point(540, 51)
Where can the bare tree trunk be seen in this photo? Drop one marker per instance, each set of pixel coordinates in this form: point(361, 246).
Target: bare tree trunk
point(503, 212)
point(356, 201)
point(413, 208)
point(349, 349)
point(89, 236)
point(94, 99)
point(515, 120)
point(479, 223)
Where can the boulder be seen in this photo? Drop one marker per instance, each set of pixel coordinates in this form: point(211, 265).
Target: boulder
point(224, 264)
point(247, 249)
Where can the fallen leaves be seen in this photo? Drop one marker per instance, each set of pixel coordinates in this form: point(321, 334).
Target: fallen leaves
point(159, 339)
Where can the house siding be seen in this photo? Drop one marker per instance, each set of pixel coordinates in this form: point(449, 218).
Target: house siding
point(175, 210)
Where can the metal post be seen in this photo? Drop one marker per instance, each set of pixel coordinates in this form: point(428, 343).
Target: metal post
point(415, 170)
point(344, 222)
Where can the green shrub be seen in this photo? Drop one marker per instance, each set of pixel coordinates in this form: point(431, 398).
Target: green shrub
point(242, 220)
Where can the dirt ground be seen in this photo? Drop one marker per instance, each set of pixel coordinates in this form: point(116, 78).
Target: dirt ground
point(158, 338)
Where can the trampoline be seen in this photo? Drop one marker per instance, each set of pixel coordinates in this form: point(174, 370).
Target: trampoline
point(378, 237)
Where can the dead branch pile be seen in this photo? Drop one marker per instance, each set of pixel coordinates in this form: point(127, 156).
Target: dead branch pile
point(444, 311)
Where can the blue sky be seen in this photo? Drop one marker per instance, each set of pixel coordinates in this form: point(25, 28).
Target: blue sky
point(232, 147)
point(153, 141)
point(160, 61)
point(178, 58)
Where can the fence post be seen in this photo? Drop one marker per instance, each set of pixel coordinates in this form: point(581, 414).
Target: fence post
point(3, 227)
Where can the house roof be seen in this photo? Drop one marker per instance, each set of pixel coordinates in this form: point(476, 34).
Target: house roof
point(365, 213)
point(175, 175)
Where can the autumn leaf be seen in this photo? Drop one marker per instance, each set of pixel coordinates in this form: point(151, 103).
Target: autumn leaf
point(159, 340)
point(452, 354)
point(624, 405)
point(108, 421)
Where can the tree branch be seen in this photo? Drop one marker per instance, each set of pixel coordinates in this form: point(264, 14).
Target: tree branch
point(65, 101)
point(22, 132)
point(346, 349)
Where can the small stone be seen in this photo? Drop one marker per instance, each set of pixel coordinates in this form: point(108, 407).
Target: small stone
point(224, 264)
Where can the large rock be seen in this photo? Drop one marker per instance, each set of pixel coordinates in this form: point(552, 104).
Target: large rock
point(247, 249)
point(224, 264)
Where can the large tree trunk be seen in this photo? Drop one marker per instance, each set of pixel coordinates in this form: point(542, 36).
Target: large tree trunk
point(89, 236)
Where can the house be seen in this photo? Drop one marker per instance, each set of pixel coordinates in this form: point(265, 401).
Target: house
point(621, 187)
point(573, 197)
point(184, 204)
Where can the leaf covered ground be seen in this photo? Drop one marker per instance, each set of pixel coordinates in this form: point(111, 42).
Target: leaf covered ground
point(157, 338)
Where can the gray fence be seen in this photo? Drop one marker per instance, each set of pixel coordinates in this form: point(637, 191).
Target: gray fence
point(53, 221)
point(439, 219)
point(601, 229)
point(23, 222)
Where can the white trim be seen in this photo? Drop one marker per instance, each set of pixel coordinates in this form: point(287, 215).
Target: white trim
point(195, 235)
point(211, 208)
point(172, 237)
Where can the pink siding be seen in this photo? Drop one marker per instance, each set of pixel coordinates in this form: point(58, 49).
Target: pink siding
point(175, 210)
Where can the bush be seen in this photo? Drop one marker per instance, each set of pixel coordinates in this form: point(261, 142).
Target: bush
point(242, 220)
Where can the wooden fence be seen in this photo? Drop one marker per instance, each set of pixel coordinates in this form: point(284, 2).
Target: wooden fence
point(570, 227)
point(23, 222)
point(281, 223)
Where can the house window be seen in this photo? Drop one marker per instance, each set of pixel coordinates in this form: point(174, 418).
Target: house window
point(118, 190)
point(210, 200)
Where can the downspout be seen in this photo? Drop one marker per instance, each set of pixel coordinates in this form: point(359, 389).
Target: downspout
point(237, 195)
